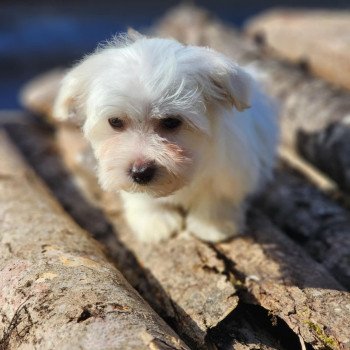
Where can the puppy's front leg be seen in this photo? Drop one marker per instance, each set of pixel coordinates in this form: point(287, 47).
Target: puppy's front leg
point(150, 219)
point(216, 220)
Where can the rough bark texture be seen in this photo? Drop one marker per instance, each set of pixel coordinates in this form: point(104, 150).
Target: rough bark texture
point(314, 116)
point(57, 289)
point(311, 218)
point(284, 280)
point(318, 39)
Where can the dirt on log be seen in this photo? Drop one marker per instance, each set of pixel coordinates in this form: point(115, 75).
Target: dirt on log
point(57, 289)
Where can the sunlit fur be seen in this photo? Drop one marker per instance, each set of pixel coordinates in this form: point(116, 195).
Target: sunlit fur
point(223, 151)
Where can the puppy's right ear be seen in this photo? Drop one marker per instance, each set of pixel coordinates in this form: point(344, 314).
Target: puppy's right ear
point(134, 35)
point(69, 103)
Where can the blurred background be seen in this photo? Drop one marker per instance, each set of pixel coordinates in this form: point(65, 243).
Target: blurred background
point(36, 35)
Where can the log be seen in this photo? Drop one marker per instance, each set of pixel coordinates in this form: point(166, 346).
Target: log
point(57, 289)
point(314, 116)
point(279, 276)
point(317, 39)
point(311, 218)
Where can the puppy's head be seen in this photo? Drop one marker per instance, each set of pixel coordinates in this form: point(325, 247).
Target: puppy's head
point(148, 107)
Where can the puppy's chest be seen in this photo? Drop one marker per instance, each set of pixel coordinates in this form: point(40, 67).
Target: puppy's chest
point(187, 197)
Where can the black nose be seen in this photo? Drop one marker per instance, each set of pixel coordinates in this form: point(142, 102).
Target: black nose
point(144, 173)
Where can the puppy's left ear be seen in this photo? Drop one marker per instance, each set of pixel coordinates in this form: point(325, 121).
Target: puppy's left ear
point(237, 87)
point(222, 80)
point(134, 35)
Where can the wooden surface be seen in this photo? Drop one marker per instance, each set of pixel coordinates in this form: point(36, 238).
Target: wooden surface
point(58, 291)
point(317, 39)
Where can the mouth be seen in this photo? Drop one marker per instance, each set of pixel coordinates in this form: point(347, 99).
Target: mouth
point(156, 182)
point(156, 188)
point(153, 191)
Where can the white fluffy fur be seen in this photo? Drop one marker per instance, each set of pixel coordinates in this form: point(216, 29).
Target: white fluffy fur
point(223, 152)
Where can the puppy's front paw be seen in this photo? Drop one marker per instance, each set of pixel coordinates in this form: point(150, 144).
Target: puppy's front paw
point(158, 226)
point(213, 232)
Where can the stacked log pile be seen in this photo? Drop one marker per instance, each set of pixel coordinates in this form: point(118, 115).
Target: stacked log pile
point(282, 285)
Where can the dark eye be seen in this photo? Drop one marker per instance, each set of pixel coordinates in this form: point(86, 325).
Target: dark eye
point(116, 123)
point(170, 123)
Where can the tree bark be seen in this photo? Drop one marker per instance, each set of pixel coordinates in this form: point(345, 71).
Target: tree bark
point(317, 39)
point(279, 276)
point(312, 219)
point(57, 289)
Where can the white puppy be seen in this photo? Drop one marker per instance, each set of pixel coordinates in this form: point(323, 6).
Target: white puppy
point(182, 132)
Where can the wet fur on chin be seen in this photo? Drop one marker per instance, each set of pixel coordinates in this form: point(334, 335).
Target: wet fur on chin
point(222, 151)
